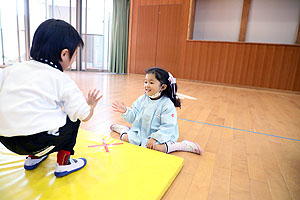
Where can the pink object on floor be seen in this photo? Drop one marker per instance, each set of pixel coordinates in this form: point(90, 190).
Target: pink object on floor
point(105, 145)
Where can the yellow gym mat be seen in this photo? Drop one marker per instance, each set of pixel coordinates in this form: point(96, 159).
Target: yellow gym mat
point(113, 171)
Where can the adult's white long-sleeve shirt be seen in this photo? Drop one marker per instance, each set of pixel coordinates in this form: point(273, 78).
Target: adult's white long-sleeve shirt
point(35, 97)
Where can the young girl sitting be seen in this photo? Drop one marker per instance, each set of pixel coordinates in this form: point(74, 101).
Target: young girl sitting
point(153, 116)
point(41, 107)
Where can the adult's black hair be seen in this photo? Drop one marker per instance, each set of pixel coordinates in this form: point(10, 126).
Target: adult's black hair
point(163, 77)
point(50, 38)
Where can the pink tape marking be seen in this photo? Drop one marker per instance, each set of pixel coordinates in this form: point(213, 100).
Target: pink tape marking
point(105, 145)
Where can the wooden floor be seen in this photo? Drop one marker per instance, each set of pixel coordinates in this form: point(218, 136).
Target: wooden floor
point(250, 138)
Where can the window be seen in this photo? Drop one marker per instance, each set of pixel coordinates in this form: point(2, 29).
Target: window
point(217, 20)
point(8, 33)
point(96, 20)
point(269, 21)
point(273, 21)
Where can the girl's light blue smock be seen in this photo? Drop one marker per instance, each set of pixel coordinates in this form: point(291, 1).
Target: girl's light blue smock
point(155, 119)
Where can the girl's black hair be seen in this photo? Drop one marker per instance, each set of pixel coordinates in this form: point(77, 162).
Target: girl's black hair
point(163, 77)
point(50, 38)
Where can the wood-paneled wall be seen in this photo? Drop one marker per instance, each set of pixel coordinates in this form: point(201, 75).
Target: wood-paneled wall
point(244, 64)
point(272, 66)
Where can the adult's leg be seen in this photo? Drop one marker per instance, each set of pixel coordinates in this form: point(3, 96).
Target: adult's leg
point(44, 143)
point(25, 145)
point(67, 136)
point(29, 145)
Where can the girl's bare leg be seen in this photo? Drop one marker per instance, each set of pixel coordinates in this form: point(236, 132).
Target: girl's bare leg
point(157, 147)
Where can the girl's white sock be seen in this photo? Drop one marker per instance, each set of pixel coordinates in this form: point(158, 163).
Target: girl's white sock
point(184, 145)
point(119, 128)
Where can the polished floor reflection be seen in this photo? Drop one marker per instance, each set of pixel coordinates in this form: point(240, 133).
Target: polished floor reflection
point(251, 138)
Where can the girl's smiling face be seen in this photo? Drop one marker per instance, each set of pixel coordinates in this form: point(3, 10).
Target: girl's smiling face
point(152, 85)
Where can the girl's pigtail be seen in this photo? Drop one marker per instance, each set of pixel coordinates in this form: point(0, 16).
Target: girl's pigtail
point(173, 87)
point(172, 82)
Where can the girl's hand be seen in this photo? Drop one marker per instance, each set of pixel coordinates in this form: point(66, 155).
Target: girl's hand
point(119, 107)
point(151, 143)
point(93, 98)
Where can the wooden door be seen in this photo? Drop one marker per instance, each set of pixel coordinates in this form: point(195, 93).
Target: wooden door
point(146, 38)
point(168, 37)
